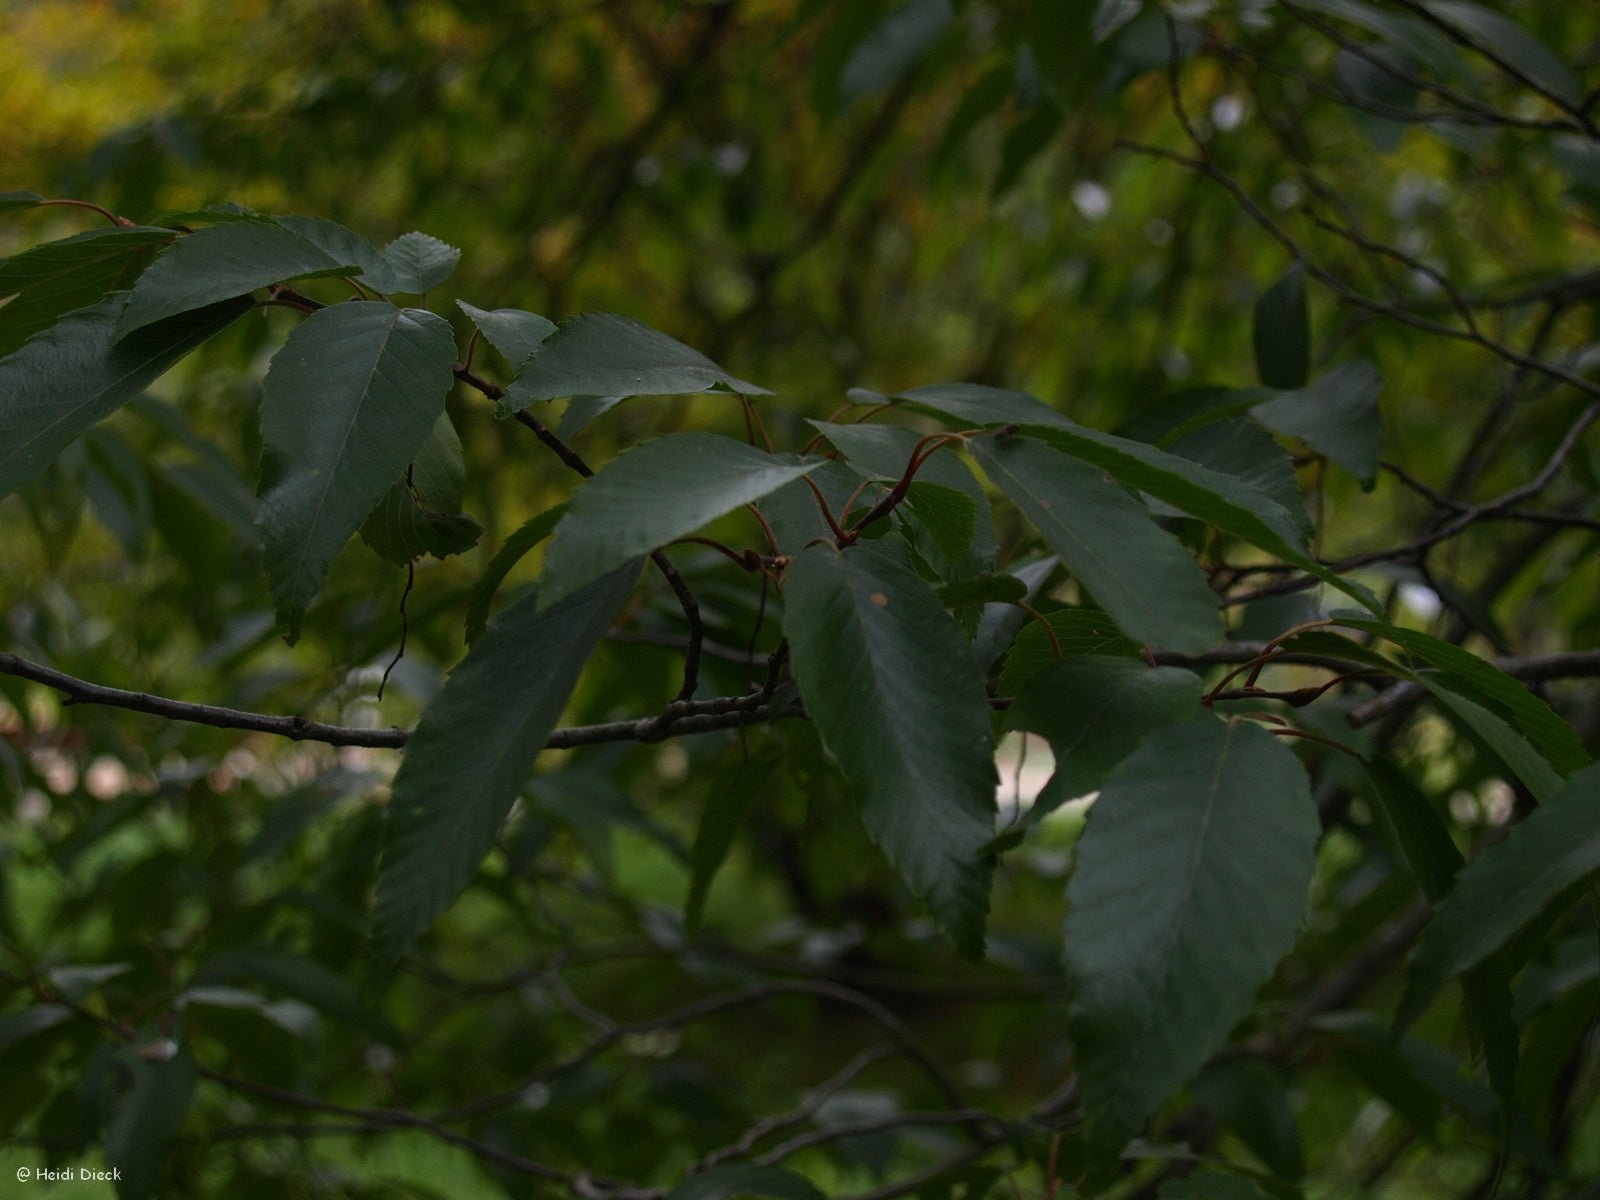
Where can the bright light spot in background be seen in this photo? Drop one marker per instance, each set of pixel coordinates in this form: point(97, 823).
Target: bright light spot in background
point(1421, 600)
point(1092, 200)
point(731, 158)
point(1025, 765)
point(1227, 113)
point(106, 778)
point(647, 170)
point(1285, 194)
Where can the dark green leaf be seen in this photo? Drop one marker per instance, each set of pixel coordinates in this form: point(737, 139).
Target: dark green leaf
point(1252, 1099)
point(302, 978)
point(516, 334)
point(420, 262)
point(652, 493)
point(1512, 43)
point(943, 523)
point(1191, 877)
point(421, 513)
point(148, 1119)
point(1555, 848)
point(977, 404)
point(581, 410)
point(1094, 710)
point(1418, 830)
point(1210, 1184)
point(51, 280)
point(475, 747)
point(1552, 736)
point(1075, 630)
point(24, 1023)
point(602, 354)
point(890, 683)
point(349, 401)
point(1243, 449)
point(1282, 333)
point(17, 201)
point(1138, 572)
point(219, 263)
point(898, 43)
point(72, 375)
point(528, 535)
point(729, 795)
point(983, 589)
point(345, 245)
point(1337, 416)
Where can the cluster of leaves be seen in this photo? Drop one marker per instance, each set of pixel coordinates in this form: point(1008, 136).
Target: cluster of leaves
point(955, 563)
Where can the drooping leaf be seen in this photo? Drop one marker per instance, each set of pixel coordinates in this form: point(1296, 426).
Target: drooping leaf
point(1190, 881)
point(475, 747)
point(1496, 734)
point(67, 378)
point(896, 45)
point(148, 1119)
point(1282, 332)
point(1094, 710)
point(348, 402)
point(652, 493)
point(1555, 848)
point(1552, 736)
point(1138, 572)
point(420, 262)
point(1253, 1100)
point(602, 354)
point(888, 679)
point(420, 514)
point(221, 262)
point(581, 411)
point(345, 245)
point(733, 1180)
point(1073, 631)
point(17, 201)
point(516, 334)
point(729, 796)
point(1514, 44)
point(528, 535)
point(978, 404)
point(49, 281)
point(1337, 416)
point(1419, 831)
point(304, 979)
point(1242, 448)
point(1221, 500)
point(943, 523)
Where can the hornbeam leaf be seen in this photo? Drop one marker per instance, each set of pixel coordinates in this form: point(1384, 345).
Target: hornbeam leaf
point(1337, 416)
point(1190, 882)
point(516, 334)
point(1282, 332)
point(147, 1120)
point(59, 277)
point(1138, 572)
point(978, 404)
point(1554, 849)
point(420, 514)
point(62, 381)
point(528, 535)
point(349, 401)
point(420, 262)
point(346, 245)
point(659, 490)
point(1224, 501)
point(1094, 710)
point(602, 354)
point(475, 747)
point(889, 680)
point(221, 262)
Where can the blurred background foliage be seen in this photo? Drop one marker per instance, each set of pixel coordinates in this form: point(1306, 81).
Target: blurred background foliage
point(820, 196)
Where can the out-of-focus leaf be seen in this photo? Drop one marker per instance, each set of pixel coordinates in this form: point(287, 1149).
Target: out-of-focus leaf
point(894, 47)
point(1282, 332)
point(746, 1179)
point(148, 1119)
point(528, 535)
point(1337, 416)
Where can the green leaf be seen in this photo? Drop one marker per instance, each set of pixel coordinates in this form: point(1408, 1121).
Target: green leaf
point(1190, 881)
point(1095, 710)
point(1139, 573)
point(1554, 848)
point(302, 978)
point(581, 410)
point(528, 535)
point(516, 334)
point(894, 47)
point(652, 493)
point(475, 747)
point(345, 245)
point(1282, 333)
point(729, 795)
point(1418, 830)
point(1076, 631)
point(602, 354)
point(421, 514)
point(17, 201)
point(219, 263)
point(420, 262)
point(348, 402)
point(746, 1179)
point(1232, 506)
point(888, 679)
point(978, 404)
point(983, 589)
point(62, 381)
point(148, 1119)
point(1210, 1184)
point(1252, 1099)
point(49, 281)
point(24, 1023)
point(943, 523)
point(1495, 734)
point(1552, 736)
point(1513, 43)
point(1243, 449)
point(1337, 416)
